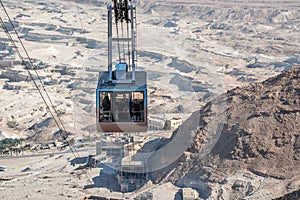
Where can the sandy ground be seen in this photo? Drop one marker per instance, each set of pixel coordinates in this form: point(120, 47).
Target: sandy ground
point(47, 177)
point(214, 41)
point(51, 176)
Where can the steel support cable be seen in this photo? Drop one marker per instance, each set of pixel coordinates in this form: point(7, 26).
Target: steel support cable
point(124, 17)
point(123, 43)
point(116, 8)
point(118, 41)
point(26, 67)
point(31, 76)
point(128, 43)
point(56, 119)
point(33, 67)
point(127, 23)
point(135, 38)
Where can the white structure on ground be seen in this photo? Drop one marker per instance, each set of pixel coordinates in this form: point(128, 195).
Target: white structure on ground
point(156, 123)
point(173, 123)
point(166, 123)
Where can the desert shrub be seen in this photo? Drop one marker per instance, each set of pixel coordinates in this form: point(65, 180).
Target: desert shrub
point(12, 124)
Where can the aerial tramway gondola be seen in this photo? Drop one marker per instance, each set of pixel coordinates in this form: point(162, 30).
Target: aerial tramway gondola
point(121, 94)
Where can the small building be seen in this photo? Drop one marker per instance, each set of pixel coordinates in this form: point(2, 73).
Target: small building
point(173, 123)
point(189, 194)
point(156, 123)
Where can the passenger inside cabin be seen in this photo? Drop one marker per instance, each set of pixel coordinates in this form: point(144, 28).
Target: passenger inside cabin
point(136, 111)
point(106, 107)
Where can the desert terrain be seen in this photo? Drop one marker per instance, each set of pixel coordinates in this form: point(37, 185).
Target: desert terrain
point(192, 51)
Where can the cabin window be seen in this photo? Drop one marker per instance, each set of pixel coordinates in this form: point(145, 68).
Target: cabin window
point(105, 106)
point(137, 106)
point(121, 107)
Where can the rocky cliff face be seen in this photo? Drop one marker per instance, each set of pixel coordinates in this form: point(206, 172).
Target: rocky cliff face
point(260, 136)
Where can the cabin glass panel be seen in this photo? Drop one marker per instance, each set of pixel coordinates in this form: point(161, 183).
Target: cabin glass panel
point(121, 106)
point(105, 107)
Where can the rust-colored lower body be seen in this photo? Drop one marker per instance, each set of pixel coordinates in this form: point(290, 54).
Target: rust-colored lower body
point(132, 126)
point(122, 127)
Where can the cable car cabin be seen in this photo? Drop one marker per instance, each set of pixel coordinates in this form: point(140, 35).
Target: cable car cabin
point(122, 103)
point(121, 95)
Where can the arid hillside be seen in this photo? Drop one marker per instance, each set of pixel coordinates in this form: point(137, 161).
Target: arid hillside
point(258, 140)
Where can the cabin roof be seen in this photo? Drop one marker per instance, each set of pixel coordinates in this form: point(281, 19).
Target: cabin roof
point(140, 82)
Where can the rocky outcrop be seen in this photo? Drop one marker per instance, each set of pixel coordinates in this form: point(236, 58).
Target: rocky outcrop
point(259, 134)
